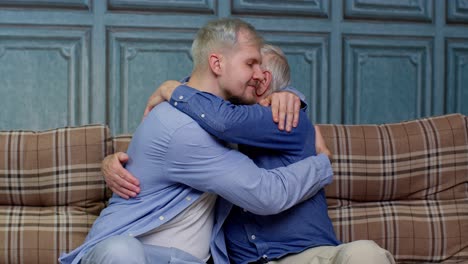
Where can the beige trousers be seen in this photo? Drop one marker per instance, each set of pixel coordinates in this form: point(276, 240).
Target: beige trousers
point(357, 252)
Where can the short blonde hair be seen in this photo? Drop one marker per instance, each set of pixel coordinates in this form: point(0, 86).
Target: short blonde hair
point(276, 63)
point(220, 35)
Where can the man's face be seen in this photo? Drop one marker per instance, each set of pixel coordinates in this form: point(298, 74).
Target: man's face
point(242, 72)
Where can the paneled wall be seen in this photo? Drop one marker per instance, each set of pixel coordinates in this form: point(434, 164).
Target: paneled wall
point(72, 62)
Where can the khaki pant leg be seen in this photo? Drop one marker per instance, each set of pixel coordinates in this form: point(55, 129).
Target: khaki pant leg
point(363, 252)
point(357, 252)
point(316, 255)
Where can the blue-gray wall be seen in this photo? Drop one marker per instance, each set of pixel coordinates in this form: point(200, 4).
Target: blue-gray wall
point(72, 62)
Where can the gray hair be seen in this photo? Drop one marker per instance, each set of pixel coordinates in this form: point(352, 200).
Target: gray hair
point(220, 35)
point(276, 62)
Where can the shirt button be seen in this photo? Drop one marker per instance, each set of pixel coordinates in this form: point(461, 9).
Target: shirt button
point(253, 237)
point(175, 103)
point(188, 198)
point(130, 234)
point(181, 97)
point(161, 218)
point(264, 256)
point(202, 115)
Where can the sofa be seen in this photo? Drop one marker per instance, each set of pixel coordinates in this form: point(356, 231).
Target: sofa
point(402, 185)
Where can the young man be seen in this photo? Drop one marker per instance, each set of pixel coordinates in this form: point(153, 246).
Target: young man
point(181, 168)
point(302, 234)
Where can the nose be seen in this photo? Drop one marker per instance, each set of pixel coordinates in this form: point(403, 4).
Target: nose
point(258, 73)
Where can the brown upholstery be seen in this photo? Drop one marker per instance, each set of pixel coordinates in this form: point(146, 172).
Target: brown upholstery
point(51, 191)
point(402, 185)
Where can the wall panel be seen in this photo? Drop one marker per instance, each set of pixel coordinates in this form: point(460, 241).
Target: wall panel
point(418, 10)
point(139, 61)
point(386, 79)
point(47, 4)
point(44, 75)
point(199, 6)
point(457, 81)
point(457, 11)
point(308, 58)
point(310, 8)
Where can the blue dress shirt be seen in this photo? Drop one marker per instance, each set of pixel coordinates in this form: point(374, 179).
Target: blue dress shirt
point(249, 236)
point(176, 161)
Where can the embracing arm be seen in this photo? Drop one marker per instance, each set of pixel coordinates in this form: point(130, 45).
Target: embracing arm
point(243, 124)
point(117, 178)
point(285, 104)
point(123, 183)
point(196, 159)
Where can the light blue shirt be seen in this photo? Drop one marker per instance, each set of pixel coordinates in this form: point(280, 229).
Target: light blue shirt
point(176, 161)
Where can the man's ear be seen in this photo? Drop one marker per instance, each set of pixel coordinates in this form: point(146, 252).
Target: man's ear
point(215, 63)
point(264, 85)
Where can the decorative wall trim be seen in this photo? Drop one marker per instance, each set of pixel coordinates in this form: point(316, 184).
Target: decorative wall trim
point(194, 6)
point(307, 8)
point(417, 10)
point(457, 11)
point(47, 4)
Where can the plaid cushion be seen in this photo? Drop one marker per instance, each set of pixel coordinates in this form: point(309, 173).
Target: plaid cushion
point(121, 142)
point(402, 185)
point(51, 190)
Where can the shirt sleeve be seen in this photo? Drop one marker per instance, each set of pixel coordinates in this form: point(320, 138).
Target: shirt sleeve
point(199, 160)
point(242, 124)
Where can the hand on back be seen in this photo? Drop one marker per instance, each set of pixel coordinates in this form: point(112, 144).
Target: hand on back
point(285, 107)
point(117, 178)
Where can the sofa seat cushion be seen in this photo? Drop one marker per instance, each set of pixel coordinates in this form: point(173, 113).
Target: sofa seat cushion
point(35, 234)
point(415, 230)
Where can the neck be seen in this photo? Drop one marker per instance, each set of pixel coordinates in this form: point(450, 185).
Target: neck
point(205, 81)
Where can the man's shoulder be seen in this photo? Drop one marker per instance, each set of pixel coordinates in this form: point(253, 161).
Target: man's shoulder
point(168, 116)
point(169, 124)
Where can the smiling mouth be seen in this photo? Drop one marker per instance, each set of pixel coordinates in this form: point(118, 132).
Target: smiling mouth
point(253, 84)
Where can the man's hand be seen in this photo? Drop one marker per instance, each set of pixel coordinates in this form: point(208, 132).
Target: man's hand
point(285, 107)
point(118, 179)
point(320, 145)
point(162, 93)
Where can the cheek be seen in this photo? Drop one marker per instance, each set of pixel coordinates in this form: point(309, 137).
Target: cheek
point(247, 73)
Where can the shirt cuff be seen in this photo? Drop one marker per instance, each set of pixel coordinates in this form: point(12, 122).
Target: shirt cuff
point(182, 94)
point(326, 170)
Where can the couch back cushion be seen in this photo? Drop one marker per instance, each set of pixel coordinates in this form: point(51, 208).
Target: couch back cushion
point(420, 159)
point(53, 168)
point(121, 142)
point(403, 185)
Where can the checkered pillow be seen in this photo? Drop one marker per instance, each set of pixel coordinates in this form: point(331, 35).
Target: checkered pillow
point(51, 191)
point(121, 142)
point(402, 185)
